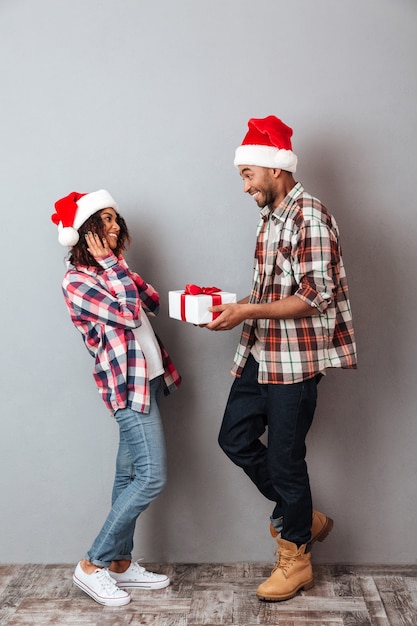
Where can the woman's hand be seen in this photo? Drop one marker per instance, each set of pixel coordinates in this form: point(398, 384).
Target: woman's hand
point(98, 248)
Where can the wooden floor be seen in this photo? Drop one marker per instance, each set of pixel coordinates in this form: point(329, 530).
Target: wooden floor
point(37, 595)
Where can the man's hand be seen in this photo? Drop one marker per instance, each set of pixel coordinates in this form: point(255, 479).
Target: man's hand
point(231, 315)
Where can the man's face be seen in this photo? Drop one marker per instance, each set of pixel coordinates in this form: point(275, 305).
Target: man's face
point(260, 183)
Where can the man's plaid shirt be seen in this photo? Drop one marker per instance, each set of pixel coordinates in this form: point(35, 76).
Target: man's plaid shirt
point(105, 307)
point(298, 253)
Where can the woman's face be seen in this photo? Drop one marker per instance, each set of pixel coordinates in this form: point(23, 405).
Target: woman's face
point(111, 227)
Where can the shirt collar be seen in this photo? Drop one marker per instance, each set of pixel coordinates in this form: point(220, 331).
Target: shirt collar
point(283, 206)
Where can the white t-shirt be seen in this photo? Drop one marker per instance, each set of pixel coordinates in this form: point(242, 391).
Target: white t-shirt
point(145, 337)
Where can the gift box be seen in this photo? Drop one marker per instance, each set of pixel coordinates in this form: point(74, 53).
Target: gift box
point(191, 305)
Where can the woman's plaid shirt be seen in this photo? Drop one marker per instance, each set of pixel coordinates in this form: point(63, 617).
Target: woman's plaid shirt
point(298, 253)
point(105, 307)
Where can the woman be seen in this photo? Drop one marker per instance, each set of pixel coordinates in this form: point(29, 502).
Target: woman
point(110, 305)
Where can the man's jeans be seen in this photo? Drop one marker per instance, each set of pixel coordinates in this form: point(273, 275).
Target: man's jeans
point(279, 469)
point(140, 478)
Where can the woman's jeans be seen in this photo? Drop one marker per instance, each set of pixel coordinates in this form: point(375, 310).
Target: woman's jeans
point(279, 469)
point(140, 478)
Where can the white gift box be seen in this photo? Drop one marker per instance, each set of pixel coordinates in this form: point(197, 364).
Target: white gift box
point(193, 308)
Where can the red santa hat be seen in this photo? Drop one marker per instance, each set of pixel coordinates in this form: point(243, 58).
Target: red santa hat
point(268, 144)
point(73, 210)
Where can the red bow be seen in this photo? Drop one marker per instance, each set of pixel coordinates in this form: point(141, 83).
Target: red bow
point(195, 290)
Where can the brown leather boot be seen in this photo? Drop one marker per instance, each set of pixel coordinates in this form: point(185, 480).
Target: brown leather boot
point(292, 573)
point(321, 525)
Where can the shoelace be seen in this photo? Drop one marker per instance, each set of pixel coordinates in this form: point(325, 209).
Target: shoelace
point(142, 571)
point(285, 561)
point(107, 582)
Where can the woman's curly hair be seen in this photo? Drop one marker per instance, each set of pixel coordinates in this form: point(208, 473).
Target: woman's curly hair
point(79, 254)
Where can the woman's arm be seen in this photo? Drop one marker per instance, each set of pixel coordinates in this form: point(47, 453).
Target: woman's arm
point(110, 298)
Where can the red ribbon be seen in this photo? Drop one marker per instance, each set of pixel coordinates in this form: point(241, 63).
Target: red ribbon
point(195, 290)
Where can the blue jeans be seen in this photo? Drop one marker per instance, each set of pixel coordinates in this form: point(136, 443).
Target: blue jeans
point(140, 478)
point(278, 470)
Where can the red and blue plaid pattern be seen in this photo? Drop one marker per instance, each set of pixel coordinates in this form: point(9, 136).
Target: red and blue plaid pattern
point(298, 253)
point(105, 307)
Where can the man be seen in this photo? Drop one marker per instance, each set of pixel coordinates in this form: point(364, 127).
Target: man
point(297, 323)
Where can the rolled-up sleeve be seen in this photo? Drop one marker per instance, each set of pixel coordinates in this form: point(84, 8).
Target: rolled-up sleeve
point(113, 299)
point(316, 263)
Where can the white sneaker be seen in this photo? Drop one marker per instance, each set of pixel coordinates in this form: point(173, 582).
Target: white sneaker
point(100, 586)
point(138, 577)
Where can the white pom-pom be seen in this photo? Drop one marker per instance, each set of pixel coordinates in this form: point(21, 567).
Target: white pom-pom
point(68, 236)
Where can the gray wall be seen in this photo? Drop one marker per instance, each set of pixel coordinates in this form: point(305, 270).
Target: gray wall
point(149, 100)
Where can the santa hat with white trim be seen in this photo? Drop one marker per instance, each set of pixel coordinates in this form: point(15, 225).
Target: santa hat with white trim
point(75, 209)
point(268, 144)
